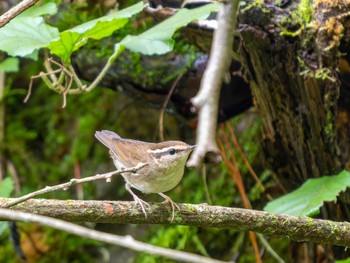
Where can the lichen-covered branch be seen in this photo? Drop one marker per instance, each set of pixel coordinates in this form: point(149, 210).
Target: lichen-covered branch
point(298, 228)
point(207, 99)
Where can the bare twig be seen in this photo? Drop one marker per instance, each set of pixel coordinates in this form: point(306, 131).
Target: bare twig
point(269, 249)
point(11, 169)
point(297, 228)
point(43, 76)
point(66, 186)
point(15, 11)
point(161, 114)
point(123, 241)
point(207, 99)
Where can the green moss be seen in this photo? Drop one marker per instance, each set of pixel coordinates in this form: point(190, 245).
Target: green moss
point(310, 221)
point(302, 16)
point(69, 202)
point(329, 128)
point(191, 207)
point(178, 218)
point(322, 73)
point(304, 12)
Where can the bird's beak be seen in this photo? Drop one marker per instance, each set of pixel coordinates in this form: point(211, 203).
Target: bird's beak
point(191, 147)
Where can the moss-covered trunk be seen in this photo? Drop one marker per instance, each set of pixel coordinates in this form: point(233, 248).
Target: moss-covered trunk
point(291, 55)
point(296, 89)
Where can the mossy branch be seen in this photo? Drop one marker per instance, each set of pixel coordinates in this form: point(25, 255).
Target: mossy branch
point(297, 228)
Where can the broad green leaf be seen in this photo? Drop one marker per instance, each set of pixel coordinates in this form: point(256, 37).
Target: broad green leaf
point(25, 35)
point(9, 65)
point(88, 27)
point(6, 187)
point(72, 39)
point(158, 40)
point(307, 199)
point(67, 44)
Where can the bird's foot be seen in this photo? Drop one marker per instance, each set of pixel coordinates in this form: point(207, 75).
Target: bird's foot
point(137, 199)
point(172, 203)
point(142, 203)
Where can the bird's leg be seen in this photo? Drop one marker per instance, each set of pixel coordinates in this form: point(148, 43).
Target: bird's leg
point(172, 203)
point(137, 199)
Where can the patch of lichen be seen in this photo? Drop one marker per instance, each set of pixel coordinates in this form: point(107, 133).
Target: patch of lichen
point(333, 29)
point(330, 14)
point(331, 4)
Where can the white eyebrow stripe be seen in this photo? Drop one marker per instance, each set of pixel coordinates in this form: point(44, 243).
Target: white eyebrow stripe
point(163, 150)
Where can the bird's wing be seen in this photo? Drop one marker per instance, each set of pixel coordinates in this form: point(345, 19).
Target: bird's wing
point(122, 149)
point(106, 137)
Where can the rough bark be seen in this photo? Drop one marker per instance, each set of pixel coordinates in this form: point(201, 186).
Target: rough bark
point(292, 58)
point(298, 107)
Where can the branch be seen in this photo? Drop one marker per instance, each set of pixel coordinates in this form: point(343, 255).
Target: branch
point(298, 228)
point(65, 186)
point(124, 241)
point(207, 99)
point(15, 11)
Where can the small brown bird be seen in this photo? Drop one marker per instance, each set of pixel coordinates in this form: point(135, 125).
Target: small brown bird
point(165, 164)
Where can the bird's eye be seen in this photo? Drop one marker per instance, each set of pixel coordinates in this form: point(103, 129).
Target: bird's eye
point(171, 151)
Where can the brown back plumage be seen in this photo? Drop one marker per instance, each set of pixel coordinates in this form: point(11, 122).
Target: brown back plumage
point(120, 148)
point(131, 152)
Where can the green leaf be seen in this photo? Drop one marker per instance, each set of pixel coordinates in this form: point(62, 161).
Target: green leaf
point(9, 65)
point(67, 44)
point(28, 32)
point(158, 40)
point(6, 187)
point(307, 199)
point(343, 261)
point(72, 39)
point(46, 9)
point(88, 28)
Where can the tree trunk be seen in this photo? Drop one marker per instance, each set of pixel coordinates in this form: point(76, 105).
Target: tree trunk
point(293, 76)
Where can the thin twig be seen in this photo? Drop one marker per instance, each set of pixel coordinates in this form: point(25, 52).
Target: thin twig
point(269, 249)
point(166, 101)
point(205, 184)
point(40, 75)
point(104, 71)
point(64, 94)
point(66, 186)
point(77, 175)
point(47, 64)
point(15, 11)
point(123, 241)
